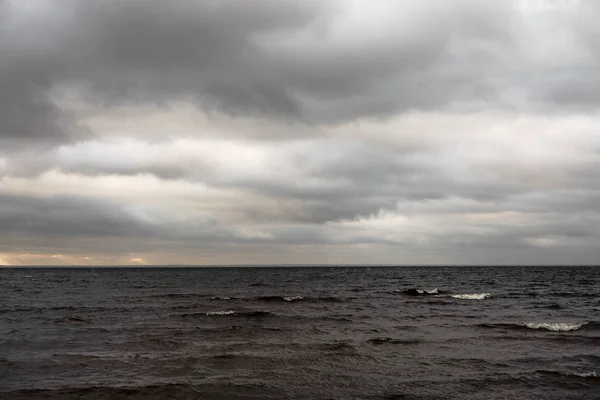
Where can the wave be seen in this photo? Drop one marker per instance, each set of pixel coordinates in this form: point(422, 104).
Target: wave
point(328, 299)
point(572, 294)
point(229, 313)
point(293, 298)
point(336, 347)
point(511, 294)
point(16, 310)
point(471, 296)
point(549, 306)
point(220, 313)
point(591, 374)
point(40, 309)
point(574, 374)
point(437, 292)
point(158, 391)
point(275, 299)
point(176, 296)
point(71, 320)
point(549, 326)
point(6, 363)
point(438, 301)
point(289, 299)
point(387, 340)
point(555, 326)
point(419, 292)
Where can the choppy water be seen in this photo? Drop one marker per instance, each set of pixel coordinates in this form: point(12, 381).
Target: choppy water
point(320, 333)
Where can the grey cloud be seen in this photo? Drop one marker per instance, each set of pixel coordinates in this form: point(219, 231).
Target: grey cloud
point(62, 216)
point(27, 111)
point(222, 55)
point(78, 225)
point(69, 217)
point(587, 25)
point(276, 59)
point(162, 172)
point(345, 180)
point(361, 184)
point(286, 60)
point(138, 51)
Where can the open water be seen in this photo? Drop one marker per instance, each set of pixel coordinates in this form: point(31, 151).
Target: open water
point(300, 333)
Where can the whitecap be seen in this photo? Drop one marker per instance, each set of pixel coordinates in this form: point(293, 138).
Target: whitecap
point(293, 298)
point(556, 326)
point(220, 313)
point(432, 291)
point(471, 296)
point(592, 374)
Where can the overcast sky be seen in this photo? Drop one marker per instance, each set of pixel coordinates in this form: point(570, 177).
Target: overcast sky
point(299, 131)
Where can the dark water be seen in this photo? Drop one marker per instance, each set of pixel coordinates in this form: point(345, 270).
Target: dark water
point(356, 333)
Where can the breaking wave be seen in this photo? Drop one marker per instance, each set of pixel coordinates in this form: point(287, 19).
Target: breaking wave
point(275, 299)
point(574, 374)
point(420, 292)
point(288, 299)
point(591, 374)
point(471, 296)
point(555, 326)
point(229, 313)
point(293, 298)
point(548, 326)
point(220, 313)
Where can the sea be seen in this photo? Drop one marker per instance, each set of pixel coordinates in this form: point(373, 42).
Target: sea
point(419, 333)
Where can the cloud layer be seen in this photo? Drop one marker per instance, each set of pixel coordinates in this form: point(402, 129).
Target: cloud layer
point(299, 132)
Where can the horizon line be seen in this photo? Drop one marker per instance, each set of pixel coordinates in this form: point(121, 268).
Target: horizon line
point(290, 265)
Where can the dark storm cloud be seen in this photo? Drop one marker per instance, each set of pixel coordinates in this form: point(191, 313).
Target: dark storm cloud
point(239, 57)
point(138, 51)
point(65, 216)
point(27, 111)
point(287, 59)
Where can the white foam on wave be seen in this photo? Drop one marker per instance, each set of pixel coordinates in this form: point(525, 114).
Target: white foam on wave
point(220, 298)
point(432, 291)
point(220, 312)
point(555, 326)
point(592, 374)
point(293, 298)
point(589, 374)
point(471, 296)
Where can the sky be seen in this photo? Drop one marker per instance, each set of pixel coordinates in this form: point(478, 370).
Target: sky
point(299, 132)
